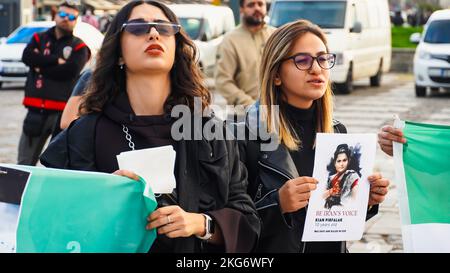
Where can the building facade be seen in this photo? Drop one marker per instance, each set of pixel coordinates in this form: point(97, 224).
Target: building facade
point(14, 13)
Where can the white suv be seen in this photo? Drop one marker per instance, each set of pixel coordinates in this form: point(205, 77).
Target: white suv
point(206, 25)
point(432, 57)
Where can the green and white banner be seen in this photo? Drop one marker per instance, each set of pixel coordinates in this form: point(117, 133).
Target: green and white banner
point(423, 178)
point(64, 211)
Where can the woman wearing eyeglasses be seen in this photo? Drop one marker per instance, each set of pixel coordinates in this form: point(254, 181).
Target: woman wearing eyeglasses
point(147, 66)
point(295, 75)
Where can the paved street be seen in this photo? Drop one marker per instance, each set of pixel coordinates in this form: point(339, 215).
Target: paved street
point(364, 111)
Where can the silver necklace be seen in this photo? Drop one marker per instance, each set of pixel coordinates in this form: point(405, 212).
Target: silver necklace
point(131, 145)
point(128, 137)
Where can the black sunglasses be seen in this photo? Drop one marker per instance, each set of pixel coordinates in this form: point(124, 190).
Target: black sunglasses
point(304, 61)
point(141, 28)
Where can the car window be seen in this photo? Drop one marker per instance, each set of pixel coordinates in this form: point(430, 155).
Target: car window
point(192, 27)
point(24, 34)
point(437, 32)
point(326, 14)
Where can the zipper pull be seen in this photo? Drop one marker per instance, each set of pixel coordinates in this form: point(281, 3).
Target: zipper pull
point(258, 192)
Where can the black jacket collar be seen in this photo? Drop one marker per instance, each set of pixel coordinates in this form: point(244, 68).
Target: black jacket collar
point(279, 158)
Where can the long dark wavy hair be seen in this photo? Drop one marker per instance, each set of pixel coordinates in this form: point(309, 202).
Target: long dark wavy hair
point(108, 79)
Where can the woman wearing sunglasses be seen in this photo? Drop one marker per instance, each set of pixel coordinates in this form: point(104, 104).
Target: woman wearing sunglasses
point(295, 75)
point(145, 67)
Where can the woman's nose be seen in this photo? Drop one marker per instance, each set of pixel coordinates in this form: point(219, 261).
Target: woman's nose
point(315, 68)
point(154, 34)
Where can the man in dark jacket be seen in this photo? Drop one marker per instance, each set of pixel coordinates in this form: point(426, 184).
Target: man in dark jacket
point(55, 58)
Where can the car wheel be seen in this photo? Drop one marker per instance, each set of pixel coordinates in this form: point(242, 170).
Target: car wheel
point(1, 84)
point(347, 86)
point(421, 91)
point(376, 80)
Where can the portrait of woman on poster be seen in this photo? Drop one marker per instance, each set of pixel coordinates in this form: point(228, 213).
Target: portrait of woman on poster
point(342, 183)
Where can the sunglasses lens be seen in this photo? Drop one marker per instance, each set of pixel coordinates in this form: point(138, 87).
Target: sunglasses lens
point(137, 29)
point(167, 30)
point(69, 16)
point(164, 29)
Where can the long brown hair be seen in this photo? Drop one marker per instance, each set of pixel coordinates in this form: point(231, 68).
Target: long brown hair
point(278, 47)
point(108, 79)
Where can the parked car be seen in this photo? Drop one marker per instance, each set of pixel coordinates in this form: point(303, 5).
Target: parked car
point(12, 69)
point(206, 25)
point(432, 57)
point(358, 31)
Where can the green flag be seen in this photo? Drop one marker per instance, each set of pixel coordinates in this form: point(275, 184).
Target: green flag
point(72, 211)
point(424, 187)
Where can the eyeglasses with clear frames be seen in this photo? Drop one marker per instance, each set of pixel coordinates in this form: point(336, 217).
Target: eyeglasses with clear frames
point(304, 61)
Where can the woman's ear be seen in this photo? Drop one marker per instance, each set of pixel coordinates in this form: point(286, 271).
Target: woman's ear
point(121, 61)
point(277, 80)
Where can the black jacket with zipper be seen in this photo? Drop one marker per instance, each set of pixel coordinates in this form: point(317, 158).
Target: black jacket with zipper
point(51, 87)
point(267, 172)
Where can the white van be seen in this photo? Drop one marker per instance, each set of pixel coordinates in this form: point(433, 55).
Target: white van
point(206, 25)
point(432, 57)
point(358, 31)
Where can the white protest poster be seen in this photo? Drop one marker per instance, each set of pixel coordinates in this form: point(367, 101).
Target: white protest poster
point(155, 165)
point(337, 208)
point(9, 215)
point(12, 184)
